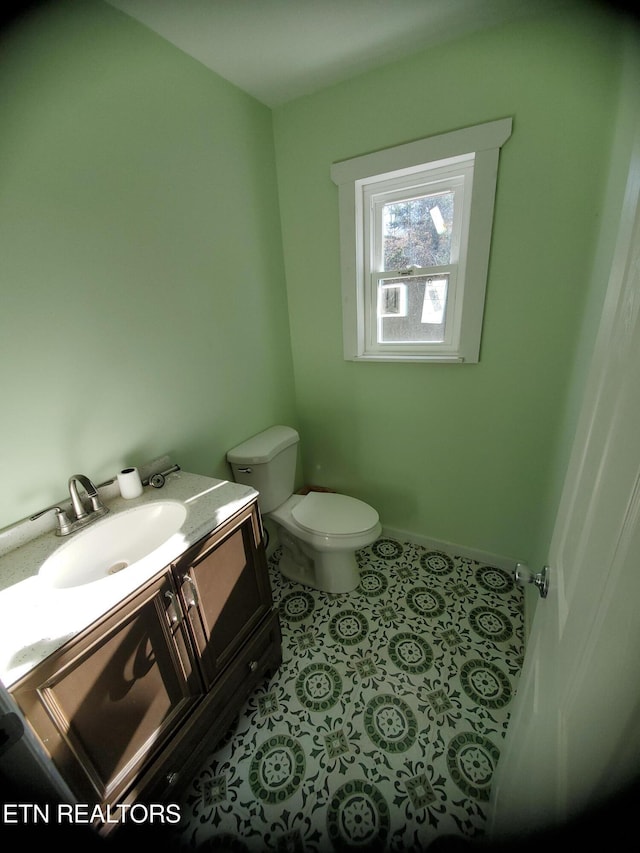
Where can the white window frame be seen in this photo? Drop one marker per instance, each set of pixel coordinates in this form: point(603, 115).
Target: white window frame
point(465, 160)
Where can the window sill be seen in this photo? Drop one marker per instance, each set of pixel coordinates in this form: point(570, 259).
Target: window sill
point(437, 359)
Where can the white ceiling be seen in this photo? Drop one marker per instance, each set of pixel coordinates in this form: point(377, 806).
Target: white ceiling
point(277, 50)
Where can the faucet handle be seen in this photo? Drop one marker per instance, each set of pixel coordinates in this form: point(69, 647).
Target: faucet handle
point(96, 504)
point(64, 525)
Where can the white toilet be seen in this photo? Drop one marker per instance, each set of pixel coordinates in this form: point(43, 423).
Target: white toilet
point(319, 532)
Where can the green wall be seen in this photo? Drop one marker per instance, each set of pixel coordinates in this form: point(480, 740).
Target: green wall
point(142, 282)
point(143, 305)
point(457, 453)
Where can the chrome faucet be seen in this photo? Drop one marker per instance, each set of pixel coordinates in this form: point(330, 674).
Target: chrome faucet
point(82, 514)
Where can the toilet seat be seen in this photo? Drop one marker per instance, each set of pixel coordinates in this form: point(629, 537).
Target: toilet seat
point(331, 514)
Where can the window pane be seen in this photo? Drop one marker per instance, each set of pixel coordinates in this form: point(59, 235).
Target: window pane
point(417, 231)
point(412, 309)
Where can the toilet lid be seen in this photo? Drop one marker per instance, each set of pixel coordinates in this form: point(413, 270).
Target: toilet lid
point(333, 514)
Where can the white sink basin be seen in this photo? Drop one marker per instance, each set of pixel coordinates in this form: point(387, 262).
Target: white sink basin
point(112, 544)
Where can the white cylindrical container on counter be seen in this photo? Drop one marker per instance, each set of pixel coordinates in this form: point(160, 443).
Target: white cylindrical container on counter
point(130, 483)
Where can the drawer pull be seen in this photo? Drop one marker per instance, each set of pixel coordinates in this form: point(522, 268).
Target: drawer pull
point(253, 665)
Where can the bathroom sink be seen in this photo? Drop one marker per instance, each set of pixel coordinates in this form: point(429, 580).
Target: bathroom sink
point(112, 544)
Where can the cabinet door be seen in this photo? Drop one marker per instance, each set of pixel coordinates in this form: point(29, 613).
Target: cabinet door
point(109, 700)
point(224, 583)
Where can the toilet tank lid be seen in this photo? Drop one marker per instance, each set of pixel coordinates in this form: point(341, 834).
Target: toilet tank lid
point(263, 446)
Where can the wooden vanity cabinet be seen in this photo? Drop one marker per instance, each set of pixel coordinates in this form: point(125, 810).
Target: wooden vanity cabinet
point(104, 703)
point(125, 706)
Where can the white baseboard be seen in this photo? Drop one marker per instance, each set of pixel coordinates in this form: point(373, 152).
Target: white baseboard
point(497, 560)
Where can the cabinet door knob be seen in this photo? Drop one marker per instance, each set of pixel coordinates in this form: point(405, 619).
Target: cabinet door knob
point(253, 665)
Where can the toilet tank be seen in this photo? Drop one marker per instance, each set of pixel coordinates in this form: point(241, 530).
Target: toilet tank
point(267, 462)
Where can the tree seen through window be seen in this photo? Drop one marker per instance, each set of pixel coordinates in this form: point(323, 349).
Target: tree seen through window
point(417, 231)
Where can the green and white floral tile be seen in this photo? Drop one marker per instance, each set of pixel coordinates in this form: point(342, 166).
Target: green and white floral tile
point(383, 726)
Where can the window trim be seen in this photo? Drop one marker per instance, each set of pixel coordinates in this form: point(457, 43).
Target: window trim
point(480, 142)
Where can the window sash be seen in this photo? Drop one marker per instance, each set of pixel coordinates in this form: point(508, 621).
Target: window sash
point(452, 319)
point(374, 196)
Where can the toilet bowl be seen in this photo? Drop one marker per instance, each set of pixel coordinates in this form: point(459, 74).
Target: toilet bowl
point(319, 532)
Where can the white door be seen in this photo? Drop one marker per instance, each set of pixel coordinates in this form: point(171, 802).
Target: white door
point(574, 737)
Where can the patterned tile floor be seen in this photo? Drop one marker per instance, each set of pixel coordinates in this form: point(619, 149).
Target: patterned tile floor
point(382, 728)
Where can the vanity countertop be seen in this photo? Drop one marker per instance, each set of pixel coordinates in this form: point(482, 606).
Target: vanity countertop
point(36, 618)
